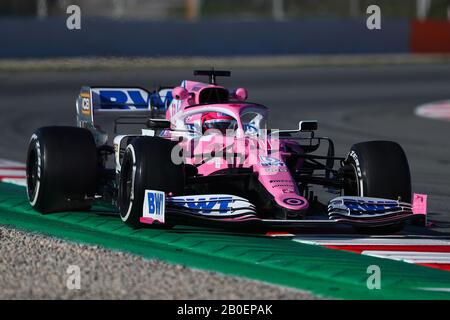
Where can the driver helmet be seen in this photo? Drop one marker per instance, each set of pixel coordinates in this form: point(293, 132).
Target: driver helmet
point(218, 121)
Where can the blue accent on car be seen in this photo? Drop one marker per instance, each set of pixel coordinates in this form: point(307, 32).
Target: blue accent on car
point(161, 102)
point(120, 99)
point(155, 201)
point(369, 206)
point(205, 205)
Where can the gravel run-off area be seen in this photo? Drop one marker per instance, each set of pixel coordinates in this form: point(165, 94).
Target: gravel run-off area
point(34, 266)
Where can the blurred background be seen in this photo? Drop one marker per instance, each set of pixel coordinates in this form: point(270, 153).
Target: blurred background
point(37, 28)
point(228, 9)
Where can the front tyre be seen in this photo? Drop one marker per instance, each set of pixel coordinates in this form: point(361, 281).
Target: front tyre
point(147, 164)
point(378, 169)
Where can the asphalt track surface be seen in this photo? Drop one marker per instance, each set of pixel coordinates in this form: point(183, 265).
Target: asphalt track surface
point(352, 104)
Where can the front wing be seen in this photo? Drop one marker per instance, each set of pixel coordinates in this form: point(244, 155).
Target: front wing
point(232, 212)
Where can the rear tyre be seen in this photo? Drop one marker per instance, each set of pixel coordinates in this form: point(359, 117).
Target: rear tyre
point(378, 169)
point(147, 164)
point(61, 169)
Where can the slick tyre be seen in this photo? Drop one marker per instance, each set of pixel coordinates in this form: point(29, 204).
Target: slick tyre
point(61, 169)
point(378, 169)
point(147, 164)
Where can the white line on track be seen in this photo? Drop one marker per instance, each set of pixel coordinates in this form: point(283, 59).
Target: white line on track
point(18, 181)
point(336, 241)
point(411, 257)
point(19, 172)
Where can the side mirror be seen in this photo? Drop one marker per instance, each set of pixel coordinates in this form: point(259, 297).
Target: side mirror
point(180, 93)
point(307, 125)
point(240, 94)
point(158, 124)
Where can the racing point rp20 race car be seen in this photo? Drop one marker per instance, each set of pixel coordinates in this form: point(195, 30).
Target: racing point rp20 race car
point(200, 154)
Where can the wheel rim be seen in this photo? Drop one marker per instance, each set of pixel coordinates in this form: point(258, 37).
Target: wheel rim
point(352, 182)
point(32, 173)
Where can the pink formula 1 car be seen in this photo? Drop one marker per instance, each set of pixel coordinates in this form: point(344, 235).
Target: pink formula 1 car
point(201, 154)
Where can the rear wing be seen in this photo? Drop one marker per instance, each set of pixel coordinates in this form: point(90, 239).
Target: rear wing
point(111, 103)
point(92, 99)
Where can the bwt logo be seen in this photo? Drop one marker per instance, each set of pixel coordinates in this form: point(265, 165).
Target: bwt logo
point(123, 99)
point(155, 203)
point(222, 204)
point(369, 206)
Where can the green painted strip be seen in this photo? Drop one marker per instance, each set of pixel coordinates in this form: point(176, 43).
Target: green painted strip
point(326, 272)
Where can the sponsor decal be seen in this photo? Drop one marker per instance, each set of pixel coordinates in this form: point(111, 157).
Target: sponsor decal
point(175, 107)
point(294, 201)
point(287, 185)
point(358, 172)
point(282, 183)
point(267, 161)
point(214, 204)
point(355, 158)
point(86, 105)
point(154, 205)
point(366, 207)
point(126, 99)
point(419, 204)
point(205, 205)
point(275, 170)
